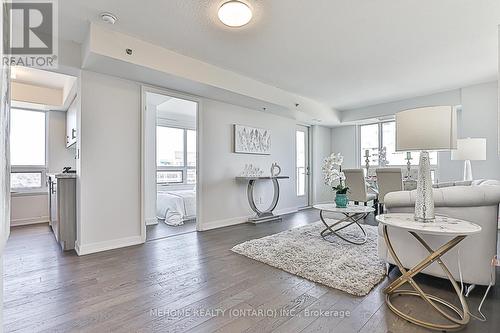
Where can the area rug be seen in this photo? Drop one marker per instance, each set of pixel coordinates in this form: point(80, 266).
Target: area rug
point(355, 269)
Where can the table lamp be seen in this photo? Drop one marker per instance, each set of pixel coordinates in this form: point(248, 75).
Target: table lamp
point(423, 129)
point(470, 149)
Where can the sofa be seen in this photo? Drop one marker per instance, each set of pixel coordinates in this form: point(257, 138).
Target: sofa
point(477, 202)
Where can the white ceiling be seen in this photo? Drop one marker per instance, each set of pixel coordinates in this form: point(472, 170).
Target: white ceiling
point(343, 53)
point(42, 78)
point(172, 108)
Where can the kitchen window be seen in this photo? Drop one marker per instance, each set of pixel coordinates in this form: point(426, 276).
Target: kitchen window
point(27, 150)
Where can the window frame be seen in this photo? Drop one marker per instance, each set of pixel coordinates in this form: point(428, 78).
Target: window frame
point(434, 167)
point(43, 169)
point(184, 169)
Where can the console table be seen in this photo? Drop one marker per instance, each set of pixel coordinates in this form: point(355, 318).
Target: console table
point(267, 214)
point(443, 226)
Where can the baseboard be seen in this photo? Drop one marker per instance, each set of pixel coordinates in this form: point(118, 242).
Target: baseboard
point(83, 249)
point(151, 221)
point(30, 220)
point(241, 219)
point(322, 202)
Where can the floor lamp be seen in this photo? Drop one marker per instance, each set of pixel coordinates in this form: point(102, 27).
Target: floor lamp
point(470, 149)
point(424, 129)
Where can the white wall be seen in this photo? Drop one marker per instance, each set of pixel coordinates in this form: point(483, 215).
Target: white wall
point(451, 97)
point(478, 118)
point(29, 209)
point(150, 165)
point(345, 141)
point(109, 166)
point(110, 157)
point(224, 200)
point(322, 147)
point(58, 155)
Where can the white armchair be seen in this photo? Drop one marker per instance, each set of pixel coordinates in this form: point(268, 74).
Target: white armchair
point(477, 203)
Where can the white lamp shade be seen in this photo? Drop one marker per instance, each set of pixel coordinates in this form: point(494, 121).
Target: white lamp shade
point(473, 149)
point(427, 128)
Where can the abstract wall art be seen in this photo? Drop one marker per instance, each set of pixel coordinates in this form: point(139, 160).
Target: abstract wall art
point(252, 140)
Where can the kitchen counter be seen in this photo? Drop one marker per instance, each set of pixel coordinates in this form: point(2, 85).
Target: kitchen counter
point(65, 175)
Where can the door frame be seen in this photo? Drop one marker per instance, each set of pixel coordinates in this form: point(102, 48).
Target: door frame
point(309, 187)
point(176, 94)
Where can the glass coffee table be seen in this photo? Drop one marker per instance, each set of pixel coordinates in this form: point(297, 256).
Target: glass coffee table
point(353, 214)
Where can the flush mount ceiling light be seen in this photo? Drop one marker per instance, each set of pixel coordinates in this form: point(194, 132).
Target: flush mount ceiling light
point(235, 13)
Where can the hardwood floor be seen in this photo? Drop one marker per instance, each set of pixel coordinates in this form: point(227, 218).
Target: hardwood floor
point(183, 283)
point(163, 230)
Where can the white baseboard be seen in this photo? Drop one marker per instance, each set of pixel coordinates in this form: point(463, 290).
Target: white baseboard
point(151, 221)
point(241, 219)
point(30, 220)
point(322, 202)
point(83, 249)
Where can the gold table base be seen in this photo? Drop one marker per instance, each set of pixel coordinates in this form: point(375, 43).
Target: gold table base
point(462, 316)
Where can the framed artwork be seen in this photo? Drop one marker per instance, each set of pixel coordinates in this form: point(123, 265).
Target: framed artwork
point(252, 140)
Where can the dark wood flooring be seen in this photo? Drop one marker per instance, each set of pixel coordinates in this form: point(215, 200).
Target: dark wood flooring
point(177, 284)
point(163, 230)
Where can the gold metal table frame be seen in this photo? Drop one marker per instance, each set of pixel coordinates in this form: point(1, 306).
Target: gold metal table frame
point(462, 316)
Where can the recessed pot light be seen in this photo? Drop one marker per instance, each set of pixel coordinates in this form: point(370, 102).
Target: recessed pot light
point(235, 13)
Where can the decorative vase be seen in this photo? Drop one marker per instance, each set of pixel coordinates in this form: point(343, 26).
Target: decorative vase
point(341, 200)
point(275, 169)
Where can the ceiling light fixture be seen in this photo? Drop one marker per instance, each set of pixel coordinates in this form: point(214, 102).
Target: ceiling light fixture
point(108, 18)
point(235, 13)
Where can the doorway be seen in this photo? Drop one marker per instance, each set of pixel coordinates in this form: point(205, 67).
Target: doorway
point(43, 139)
point(170, 163)
point(302, 163)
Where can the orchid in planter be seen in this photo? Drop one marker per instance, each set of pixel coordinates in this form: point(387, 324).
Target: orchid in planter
point(335, 178)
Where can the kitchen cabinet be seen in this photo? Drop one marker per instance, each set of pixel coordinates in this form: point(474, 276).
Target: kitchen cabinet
point(62, 207)
point(71, 124)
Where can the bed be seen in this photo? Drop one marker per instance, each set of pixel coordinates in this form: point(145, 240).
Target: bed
point(175, 207)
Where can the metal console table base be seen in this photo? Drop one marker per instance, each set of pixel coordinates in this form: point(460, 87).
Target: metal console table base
point(456, 322)
point(267, 214)
point(351, 218)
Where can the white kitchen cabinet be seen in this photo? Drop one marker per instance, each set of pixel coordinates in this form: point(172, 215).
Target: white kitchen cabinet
point(71, 124)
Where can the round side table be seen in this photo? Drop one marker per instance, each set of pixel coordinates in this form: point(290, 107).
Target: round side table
point(353, 214)
point(443, 226)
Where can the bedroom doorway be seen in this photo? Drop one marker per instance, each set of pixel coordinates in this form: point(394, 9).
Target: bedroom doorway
point(170, 162)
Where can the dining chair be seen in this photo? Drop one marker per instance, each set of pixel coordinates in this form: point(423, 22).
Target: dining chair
point(358, 190)
point(388, 180)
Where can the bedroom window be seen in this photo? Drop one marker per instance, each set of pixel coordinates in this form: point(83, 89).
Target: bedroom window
point(169, 177)
point(27, 150)
point(175, 155)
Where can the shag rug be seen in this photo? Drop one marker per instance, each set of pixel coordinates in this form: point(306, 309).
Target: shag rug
point(355, 269)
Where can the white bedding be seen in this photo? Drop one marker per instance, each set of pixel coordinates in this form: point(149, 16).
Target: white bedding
point(175, 207)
